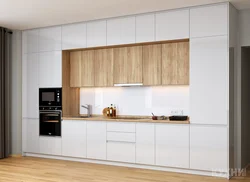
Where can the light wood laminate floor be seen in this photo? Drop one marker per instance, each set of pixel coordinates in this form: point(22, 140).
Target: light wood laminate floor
point(29, 169)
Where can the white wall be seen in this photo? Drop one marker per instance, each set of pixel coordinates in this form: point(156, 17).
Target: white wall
point(137, 100)
point(16, 93)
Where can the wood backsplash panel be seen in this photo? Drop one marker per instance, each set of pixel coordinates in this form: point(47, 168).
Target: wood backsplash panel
point(70, 96)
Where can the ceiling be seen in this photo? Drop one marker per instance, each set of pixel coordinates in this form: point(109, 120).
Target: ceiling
point(28, 14)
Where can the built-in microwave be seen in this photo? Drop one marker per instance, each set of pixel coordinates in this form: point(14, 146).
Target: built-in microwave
point(50, 97)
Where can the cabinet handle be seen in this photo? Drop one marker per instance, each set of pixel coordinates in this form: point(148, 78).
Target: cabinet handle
point(119, 141)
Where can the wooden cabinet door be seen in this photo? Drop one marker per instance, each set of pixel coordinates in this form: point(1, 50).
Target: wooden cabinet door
point(103, 67)
point(128, 64)
point(152, 64)
point(87, 69)
point(175, 63)
point(75, 69)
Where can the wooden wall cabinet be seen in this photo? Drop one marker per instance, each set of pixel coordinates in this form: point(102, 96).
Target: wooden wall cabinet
point(128, 64)
point(75, 69)
point(175, 63)
point(103, 59)
point(152, 61)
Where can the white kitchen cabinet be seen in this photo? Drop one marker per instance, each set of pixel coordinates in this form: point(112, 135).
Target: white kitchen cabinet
point(50, 39)
point(32, 135)
point(74, 36)
point(74, 138)
point(121, 151)
point(96, 140)
point(209, 80)
point(208, 148)
point(121, 127)
point(172, 145)
point(145, 143)
point(97, 33)
point(145, 28)
point(50, 69)
point(30, 41)
point(172, 25)
point(50, 145)
point(211, 20)
point(30, 86)
point(121, 31)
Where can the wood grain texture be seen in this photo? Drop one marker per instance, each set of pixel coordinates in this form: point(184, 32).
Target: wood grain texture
point(152, 64)
point(31, 169)
point(70, 95)
point(175, 63)
point(128, 64)
point(87, 69)
point(75, 69)
point(103, 67)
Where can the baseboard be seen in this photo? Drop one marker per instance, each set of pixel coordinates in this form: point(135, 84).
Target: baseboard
point(15, 155)
point(158, 168)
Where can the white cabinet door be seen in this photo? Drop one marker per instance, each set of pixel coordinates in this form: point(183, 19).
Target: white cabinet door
point(30, 41)
point(74, 142)
point(121, 151)
point(145, 28)
point(172, 25)
point(145, 143)
point(32, 135)
point(74, 36)
point(50, 39)
point(172, 145)
point(121, 31)
point(97, 33)
point(209, 80)
point(208, 148)
point(50, 145)
point(50, 69)
point(209, 20)
point(96, 140)
point(32, 87)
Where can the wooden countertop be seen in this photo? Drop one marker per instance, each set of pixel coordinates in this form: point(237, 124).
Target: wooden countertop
point(145, 119)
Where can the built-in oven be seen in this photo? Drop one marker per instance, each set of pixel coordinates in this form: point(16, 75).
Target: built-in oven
point(50, 123)
point(50, 97)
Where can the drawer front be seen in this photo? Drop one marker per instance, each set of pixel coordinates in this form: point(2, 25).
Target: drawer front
point(121, 151)
point(120, 136)
point(121, 127)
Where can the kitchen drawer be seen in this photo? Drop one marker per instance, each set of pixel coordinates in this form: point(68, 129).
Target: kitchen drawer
point(120, 136)
point(121, 127)
point(121, 151)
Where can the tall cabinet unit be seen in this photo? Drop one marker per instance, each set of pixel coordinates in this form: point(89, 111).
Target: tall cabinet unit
point(209, 87)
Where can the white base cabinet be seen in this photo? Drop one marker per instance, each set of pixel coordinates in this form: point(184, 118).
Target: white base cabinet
point(50, 145)
point(208, 148)
point(145, 143)
point(74, 138)
point(121, 151)
point(96, 140)
point(172, 145)
point(32, 135)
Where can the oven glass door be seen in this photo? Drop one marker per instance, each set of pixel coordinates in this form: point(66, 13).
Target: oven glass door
point(51, 97)
point(50, 123)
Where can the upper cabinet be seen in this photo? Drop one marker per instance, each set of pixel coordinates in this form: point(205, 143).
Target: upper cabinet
point(175, 63)
point(209, 20)
point(30, 41)
point(152, 64)
point(82, 68)
point(172, 25)
point(121, 31)
point(103, 67)
point(128, 65)
point(145, 28)
point(74, 36)
point(50, 39)
point(97, 33)
point(50, 69)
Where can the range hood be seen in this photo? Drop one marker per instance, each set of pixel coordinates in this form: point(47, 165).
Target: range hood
point(128, 84)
